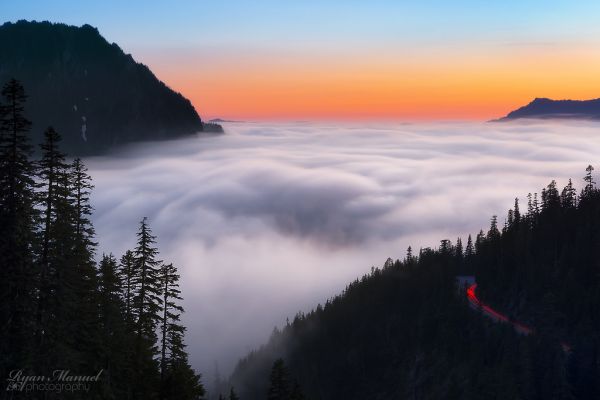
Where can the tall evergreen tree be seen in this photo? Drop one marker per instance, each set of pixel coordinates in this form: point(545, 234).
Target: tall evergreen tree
point(113, 331)
point(493, 232)
point(458, 249)
point(57, 300)
point(409, 255)
point(517, 212)
point(82, 260)
point(174, 366)
point(180, 382)
point(589, 181)
point(279, 379)
point(171, 329)
point(469, 250)
point(129, 278)
point(17, 227)
point(568, 197)
point(146, 309)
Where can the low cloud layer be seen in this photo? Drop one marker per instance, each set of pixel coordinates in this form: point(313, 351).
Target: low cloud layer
point(270, 219)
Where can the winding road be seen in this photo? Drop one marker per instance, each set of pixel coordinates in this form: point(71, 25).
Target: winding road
point(496, 316)
point(488, 311)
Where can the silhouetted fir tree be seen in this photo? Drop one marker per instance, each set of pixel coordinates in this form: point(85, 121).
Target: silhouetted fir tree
point(589, 181)
point(568, 197)
point(130, 281)
point(493, 232)
point(469, 250)
point(517, 212)
point(147, 298)
point(147, 308)
point(82, 259)
point(552, 196)
point(479, 239)
point(180, 381)
point(59, 279)
point(510, 219)
point(113, 331)
point(458, 249)
point(58, 309)
point(17, 227)
point(170, 326)
point(445, 246)
point(279, 379)
point(409, 253)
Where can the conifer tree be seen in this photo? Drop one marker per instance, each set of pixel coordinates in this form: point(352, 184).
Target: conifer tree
point(180, 381)
point(147, 299)
point(493, 232)
point(146, 310)
point(58, 283)
point(479, 239)
point(536, 205)
point(113, 333)
point(174, 366)
point(279, 379)
point(589, 181)
point(129, 280)
point(82, 260)
point(552, 199)
point(510, 219)
point(445, 246)
point(568, 197)
point(458, 249)
point(409, 255)
point(517, 212)
point(469, 250)
point(17, 227)
point(171, 329)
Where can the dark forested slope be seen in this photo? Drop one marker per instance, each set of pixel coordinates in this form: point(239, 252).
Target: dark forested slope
point(88, 89)
point(405, 331)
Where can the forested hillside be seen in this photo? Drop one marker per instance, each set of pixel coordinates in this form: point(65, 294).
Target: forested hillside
point(116, 321)
point(91, 91)
point(404, 331)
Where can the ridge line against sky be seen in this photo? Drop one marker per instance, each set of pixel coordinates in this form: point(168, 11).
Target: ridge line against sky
point(351, 60)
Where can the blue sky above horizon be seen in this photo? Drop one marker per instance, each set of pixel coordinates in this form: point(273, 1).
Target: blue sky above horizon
point(314, 51)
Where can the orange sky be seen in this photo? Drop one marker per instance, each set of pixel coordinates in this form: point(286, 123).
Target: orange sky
point(382, 59)
point(443, 84)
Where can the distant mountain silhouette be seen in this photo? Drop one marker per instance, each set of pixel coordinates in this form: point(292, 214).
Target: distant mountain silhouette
point(89, 90)
point(548, 108)
point(219, 120)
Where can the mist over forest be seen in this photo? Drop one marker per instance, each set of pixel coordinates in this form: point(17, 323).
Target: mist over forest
point(273, 218)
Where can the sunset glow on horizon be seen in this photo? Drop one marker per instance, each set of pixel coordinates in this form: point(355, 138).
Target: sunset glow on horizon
point(351, 61)
point(415, 88)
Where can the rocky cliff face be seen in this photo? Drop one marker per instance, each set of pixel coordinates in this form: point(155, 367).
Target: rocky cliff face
point(89, 90)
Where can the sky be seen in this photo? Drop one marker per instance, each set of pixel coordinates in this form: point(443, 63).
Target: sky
point(401, 60)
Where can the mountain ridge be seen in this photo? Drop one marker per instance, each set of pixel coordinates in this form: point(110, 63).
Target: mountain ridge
point(91, 91)
point(545, 108)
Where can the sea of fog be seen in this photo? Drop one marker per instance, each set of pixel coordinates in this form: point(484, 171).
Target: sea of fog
point(271, 219)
